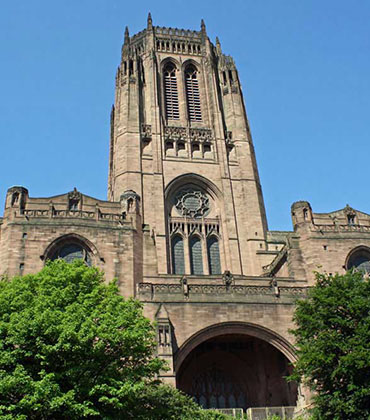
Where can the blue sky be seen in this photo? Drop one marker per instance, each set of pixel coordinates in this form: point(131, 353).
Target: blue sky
point(304, 67)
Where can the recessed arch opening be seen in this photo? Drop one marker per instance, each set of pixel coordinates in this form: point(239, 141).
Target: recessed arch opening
point(235, 365)
point(359, 259)
point(71, 247)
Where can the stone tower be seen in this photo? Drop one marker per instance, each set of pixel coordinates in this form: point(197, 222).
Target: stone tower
point(180, 138)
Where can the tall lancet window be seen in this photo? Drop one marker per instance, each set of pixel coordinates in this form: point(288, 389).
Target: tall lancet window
point(178, 262)
point(213, 255)
point(170, 92)
point(196, 259)
point(192, 93)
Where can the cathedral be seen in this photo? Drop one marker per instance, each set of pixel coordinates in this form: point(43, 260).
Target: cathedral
point(184, 228)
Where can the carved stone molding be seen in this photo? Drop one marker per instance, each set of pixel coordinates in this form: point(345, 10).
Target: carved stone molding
point(340, 228)
point(217, 289)
point(75, 214)
point(175, 133)
point(200, 134)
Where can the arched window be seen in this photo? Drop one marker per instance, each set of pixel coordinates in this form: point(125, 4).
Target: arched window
point(215, 388)
point(193, 215)
point(178, 261)
point(70, 252)
point(196, 258)
point(192, 93)
point(170, 92)
point(360, 260)
point(213, 255)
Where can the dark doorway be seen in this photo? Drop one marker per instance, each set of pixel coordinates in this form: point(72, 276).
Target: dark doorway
point(237, 371)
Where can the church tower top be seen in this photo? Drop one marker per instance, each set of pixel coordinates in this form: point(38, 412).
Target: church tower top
point(167, 39)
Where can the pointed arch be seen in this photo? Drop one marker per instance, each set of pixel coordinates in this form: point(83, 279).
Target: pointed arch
point(177, 254)
point(196, 255)
point(213, 252)
point(171, 96)
point(194, 209)
point(359, 259)
point(192, 178)
point(220, 366)
point(192, 93)
point(72, 246)
point(241, 328)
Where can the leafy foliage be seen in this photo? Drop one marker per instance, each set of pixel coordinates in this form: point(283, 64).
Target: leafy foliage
point(333, 336)
point(71, 347)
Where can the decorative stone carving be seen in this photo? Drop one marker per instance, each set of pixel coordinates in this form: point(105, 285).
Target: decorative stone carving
point(218, 289)
point(74, 195)
point(185, 286)
point(146, 131)
point(349, 211)
point(175, 133)
point(227, 278)
point(191, 203)
point(229, 136)
point(74, 200)
point(351, 215)
point(340, 228)
point(200, 134)
point(275, 286)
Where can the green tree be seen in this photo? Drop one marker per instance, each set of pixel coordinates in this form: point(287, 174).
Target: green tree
point(333, 341)
point(71, 348)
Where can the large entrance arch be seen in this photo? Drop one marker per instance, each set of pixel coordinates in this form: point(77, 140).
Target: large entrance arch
point(236, 365)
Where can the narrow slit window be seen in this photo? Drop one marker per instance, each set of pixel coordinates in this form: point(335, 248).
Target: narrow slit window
point(170, 92)
point(213, 255)
point(224, 77)
point(192, 94)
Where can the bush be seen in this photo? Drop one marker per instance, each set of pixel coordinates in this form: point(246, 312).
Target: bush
point(71, 348)
point(333, 336)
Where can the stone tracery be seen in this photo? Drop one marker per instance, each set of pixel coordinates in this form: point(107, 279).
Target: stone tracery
point(194, 232)
point(192, 203)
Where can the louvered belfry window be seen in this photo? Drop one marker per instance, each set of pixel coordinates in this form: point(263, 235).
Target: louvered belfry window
point(170, 92)
point(192, 93)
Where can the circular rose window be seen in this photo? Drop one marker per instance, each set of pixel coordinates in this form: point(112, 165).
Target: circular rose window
point(192, 203)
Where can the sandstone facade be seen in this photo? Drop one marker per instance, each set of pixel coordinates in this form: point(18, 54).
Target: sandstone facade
point(184, 228)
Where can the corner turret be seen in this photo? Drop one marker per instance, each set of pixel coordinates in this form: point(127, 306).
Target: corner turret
point(301, 212)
